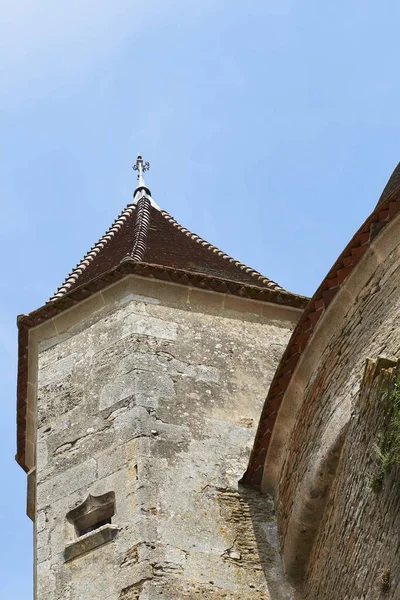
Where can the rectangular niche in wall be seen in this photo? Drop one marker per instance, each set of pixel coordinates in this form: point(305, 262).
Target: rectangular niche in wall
point(92, 524)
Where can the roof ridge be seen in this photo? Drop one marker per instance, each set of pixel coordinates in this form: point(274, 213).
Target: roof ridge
point(200, 240)
point(93, 252)
point(141, 228)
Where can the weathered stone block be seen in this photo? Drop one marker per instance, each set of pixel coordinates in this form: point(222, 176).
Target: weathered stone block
point(78, 477)
point(144, 387)
point(91, 540)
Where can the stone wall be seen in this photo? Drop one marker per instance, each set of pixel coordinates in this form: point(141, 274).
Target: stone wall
point(337, 537)
point(153, 392)
point(356, 553)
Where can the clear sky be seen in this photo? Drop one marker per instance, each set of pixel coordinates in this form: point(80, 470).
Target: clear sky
point(271, 127)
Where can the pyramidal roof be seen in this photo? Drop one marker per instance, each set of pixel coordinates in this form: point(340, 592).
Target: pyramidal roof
point(145, 235)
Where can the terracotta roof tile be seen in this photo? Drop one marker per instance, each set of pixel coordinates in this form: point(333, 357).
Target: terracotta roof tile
point(146, 234)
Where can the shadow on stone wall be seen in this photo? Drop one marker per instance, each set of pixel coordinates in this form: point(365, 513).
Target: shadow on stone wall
point(257, 541)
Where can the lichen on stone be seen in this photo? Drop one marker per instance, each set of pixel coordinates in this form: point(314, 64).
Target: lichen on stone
point(388, 446)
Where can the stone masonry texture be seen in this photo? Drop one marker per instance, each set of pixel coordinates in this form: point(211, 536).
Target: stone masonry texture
point(156, 398)
point(358, 546)
point(338, 537)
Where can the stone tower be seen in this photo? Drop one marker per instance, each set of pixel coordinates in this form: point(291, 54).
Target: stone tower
point(140, 385)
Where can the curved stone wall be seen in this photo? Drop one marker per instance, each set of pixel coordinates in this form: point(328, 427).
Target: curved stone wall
point(314, 432)
point(356, 550)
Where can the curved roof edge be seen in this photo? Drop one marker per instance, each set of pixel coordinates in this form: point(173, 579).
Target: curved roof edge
point(385, 211)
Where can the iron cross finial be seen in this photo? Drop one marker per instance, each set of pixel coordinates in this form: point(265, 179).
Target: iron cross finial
point(141, 166)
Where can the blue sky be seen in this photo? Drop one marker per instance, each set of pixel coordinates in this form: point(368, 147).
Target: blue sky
point(271, 127)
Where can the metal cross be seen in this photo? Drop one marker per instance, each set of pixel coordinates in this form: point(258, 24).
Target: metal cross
point(141, 166)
